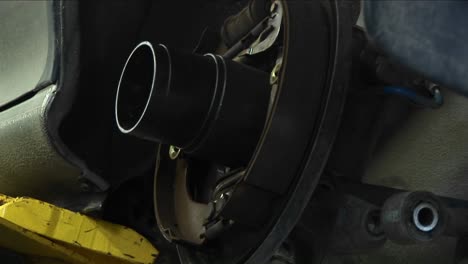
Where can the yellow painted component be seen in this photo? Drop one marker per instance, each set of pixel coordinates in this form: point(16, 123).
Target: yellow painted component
point(37, 228)
point(23, 241)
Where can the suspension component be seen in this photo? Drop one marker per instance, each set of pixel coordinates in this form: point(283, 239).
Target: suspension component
point(413, 217)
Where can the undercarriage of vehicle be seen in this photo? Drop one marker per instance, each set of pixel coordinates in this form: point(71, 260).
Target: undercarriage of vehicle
point(242, 131)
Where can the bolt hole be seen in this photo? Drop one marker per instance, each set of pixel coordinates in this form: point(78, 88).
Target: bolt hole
point(425, 217)
point(374, 226)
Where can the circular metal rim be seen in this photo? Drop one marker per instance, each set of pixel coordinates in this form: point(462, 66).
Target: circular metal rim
point(420, 226)
point(296, 204)
point(121, 128)
point(314, 159)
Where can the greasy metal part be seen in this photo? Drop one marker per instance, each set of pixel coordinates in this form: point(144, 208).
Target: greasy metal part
point(274, 79)
point(179, 217)
point(295, 147)
point(337, 223)
point(455, 210)
point(373, 224)
point(189, 215)
point(228, 182)
point(428, 151)
point(44, 230)
point(306, 151)
point(238, 26)
point(404, 218)
point(261, 37)
point(247, 41)
point(312, 118)
point(357, 228)
point(271, 32)
point(174, 152)
point(215, 224)
point(274, 76)
point(437, 251)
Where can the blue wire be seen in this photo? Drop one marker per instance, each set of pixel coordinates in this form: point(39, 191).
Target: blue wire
point(433, 102)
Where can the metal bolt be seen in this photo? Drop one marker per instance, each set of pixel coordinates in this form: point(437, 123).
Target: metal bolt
point(174, 152)
point(373, 224)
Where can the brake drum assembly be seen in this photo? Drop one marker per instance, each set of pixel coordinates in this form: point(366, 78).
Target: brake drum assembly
point(242, 143)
